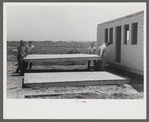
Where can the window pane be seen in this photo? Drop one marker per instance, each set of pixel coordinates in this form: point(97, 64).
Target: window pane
point(106, 35)
point(134, 33)
point(111, 35)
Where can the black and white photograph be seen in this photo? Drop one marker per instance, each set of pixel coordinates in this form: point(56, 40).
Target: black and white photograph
point(74, 54)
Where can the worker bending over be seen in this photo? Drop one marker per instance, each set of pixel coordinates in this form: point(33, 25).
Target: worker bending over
point(102, 53)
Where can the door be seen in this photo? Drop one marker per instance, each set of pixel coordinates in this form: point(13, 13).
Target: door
point(118, 44)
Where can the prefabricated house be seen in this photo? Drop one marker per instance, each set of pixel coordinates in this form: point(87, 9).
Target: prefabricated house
point(126, 35)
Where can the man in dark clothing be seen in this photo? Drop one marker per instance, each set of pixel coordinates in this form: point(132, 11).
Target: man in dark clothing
point(22, 65)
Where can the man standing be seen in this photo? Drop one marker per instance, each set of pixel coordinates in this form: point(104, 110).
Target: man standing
point(91, 50)
point(20, 55)
point(76, 47)
point(29, 51)
point(102, 53)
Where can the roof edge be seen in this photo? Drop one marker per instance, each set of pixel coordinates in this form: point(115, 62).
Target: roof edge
point(124, 17)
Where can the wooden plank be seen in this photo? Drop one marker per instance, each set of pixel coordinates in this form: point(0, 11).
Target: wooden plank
point(60, 57)
point(73, 78)
point(61, 93)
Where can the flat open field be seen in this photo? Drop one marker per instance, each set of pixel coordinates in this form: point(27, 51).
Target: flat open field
point(14, 82)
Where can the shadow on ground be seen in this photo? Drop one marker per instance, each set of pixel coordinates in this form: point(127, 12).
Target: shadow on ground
point(136, 81)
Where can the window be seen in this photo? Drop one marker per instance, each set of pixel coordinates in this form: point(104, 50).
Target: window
point(134, 33)
point(111, 35)
point(126, 34)
point(118, 44)
point(106, 35)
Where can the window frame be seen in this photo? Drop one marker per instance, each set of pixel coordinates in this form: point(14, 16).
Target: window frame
point(126, 28)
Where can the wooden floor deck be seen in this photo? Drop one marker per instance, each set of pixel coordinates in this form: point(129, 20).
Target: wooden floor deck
point(60, 57)
point(72, 79)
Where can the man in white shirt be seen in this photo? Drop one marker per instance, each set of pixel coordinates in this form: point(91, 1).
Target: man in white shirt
point(76, 48)
point(91, 50)
point(29, 51)
point(102, 53)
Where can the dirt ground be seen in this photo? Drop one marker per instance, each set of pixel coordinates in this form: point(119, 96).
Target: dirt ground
point(134, 90)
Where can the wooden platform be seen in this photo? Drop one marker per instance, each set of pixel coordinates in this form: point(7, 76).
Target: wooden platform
point(72, 79)
point(60, 57)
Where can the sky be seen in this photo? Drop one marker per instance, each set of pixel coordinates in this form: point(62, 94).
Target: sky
point(62, 21)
